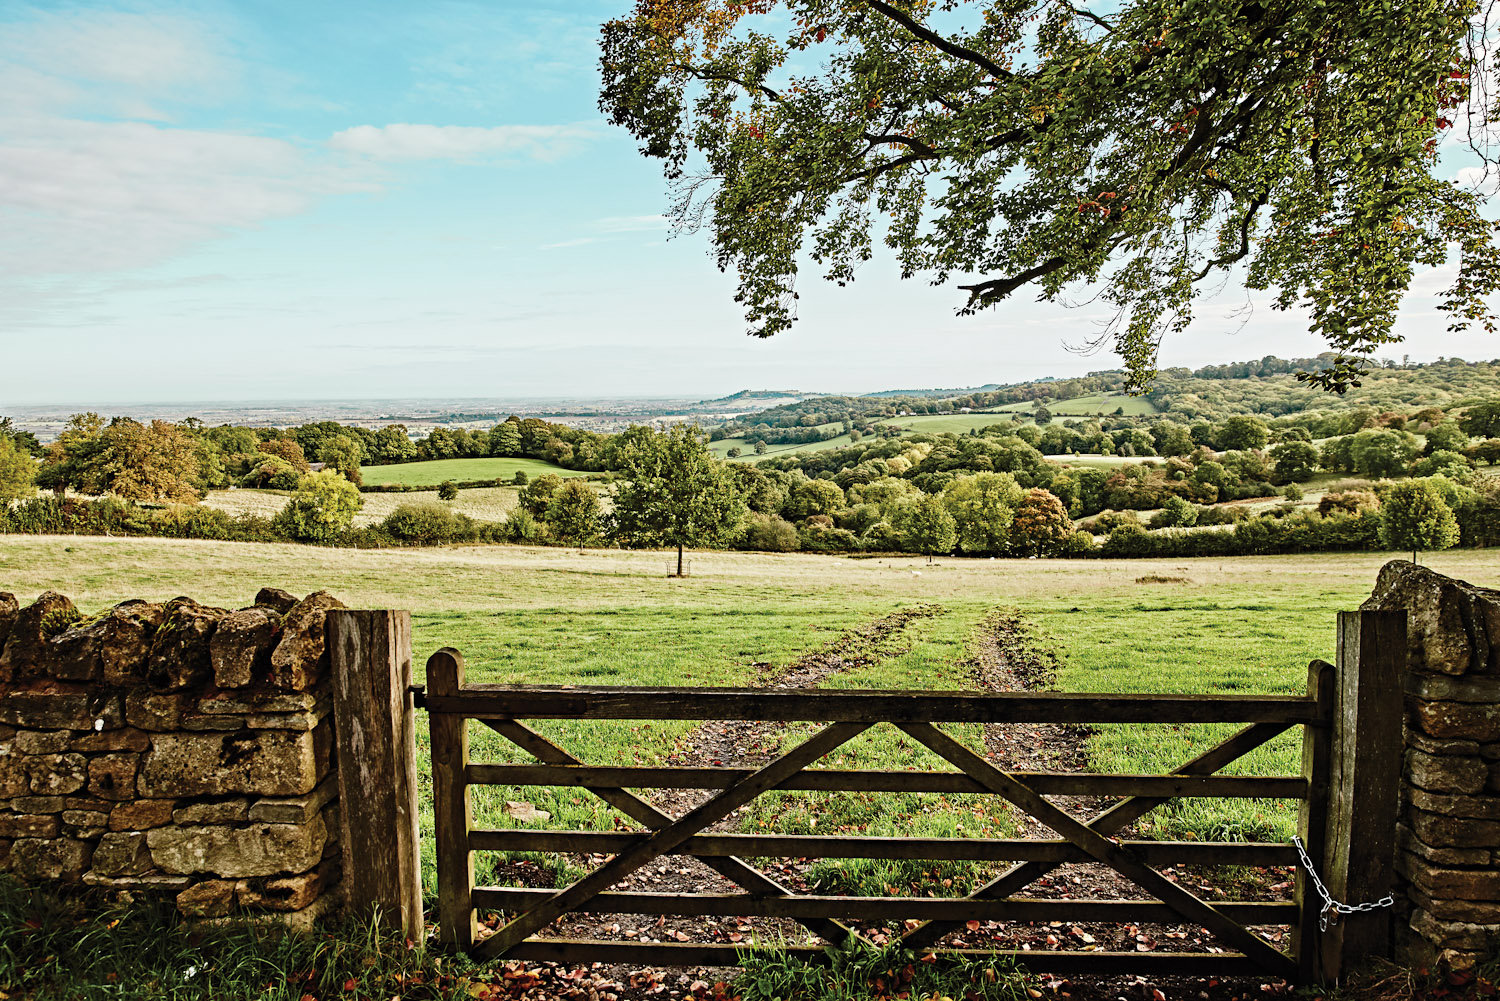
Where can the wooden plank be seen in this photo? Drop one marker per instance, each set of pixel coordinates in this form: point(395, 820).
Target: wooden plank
point(1038, 909)
point(598, 702)
point(1312, 817)
point(710, 846)
point(667, 839)
point(376, 745)
point(1366, 774)
point(743, 873)
point(1106, 851)
point(452, 811)
point(869, 780)
point(575, 952)
point(1107, 823)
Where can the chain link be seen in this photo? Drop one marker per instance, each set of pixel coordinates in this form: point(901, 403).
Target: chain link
point(1333, 908)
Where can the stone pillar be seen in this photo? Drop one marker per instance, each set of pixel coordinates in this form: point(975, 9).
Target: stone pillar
point(1448, 841)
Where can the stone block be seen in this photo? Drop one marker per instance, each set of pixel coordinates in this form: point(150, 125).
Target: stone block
point(1456, 934)
point(212, 898)
point(1453, 832)
point(1489, 752)
point(1470, 688)
point(199, 722)
point(286, 721)
point(250, 703)
point(285, 893)
point(240, 650)
point(296, 809)
point(277, 599)
point(1470, 720)
point(73, 711)
point(13, 781)
point(123, 853)
point(1448, 773)
point(1439, 745)
point(262, 763)
point(1448, 621)
point(112, 648)
point(57, 859)
point(4, 854)
point(155, 712)
point(1477, 807)
point(238, 852)
point(1479, 912)
point(1409, 842)
point(86, 824)
point(112, 776)
point(146, 881)
point(9, 609)
point(39, 804)
point(27, 655)
point(141, 814)
point(179, 656)
point(125, 739)
point(1445, 883)
point(229, 811)
point(57, 774)
point(301, 657)
point(42, 741)
point(23, 825)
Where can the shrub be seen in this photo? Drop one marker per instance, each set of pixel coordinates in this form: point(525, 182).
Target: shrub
point(447, 490)
point(521, 478)
point(1348, 501)
point(1079, 543)
point(1107, 522)
point(427, 524)
point(521, 526)
point(538, 494)
point(271, 472)
point(769, 533)
point(1292, 492)
point(881, 536)
point(573, 513)
point(1175, 513)
point(322, 507)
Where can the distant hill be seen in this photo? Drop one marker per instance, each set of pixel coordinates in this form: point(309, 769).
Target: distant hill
point(923, 393)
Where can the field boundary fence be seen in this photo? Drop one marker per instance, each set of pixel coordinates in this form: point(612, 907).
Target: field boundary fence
point(1351, 721)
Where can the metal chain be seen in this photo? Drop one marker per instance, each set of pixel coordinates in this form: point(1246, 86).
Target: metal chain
point(1333, 908)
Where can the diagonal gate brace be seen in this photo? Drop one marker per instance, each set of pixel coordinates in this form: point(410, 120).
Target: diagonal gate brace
point(737, 870)
point(663, 841)
point(1121, 859)
point(1107, 823)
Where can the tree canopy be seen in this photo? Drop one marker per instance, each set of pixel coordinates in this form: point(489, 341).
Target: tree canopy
point(1007, 145)
point(674, 491)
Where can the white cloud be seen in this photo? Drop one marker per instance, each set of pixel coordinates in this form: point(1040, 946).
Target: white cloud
point(633, 223)
point(404, 141)
point(79, 196)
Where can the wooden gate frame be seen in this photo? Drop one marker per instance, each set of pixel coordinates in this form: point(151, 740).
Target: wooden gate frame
point(1351, 717)
point(1329, 712)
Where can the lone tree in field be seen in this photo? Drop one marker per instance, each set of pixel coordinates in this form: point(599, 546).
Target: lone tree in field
point(675, 493)
point(926, 527)
point(1413, 516)
point(573, 513)
point(17, 471)
point(1039, 147)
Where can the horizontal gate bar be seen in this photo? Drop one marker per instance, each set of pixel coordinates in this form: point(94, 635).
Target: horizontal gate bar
point(577, 951)
point(867, 780)
point(833, 846)
point(599, 702)
point(1024, 909)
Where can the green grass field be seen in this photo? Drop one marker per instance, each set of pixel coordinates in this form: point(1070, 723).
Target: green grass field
point(613, 617)
point(479, 503)
point(947, 423)
point(431, 473)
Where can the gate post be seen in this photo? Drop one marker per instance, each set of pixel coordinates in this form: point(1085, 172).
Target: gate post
point(375, 741)
point(1364, 778)
point(452, 811)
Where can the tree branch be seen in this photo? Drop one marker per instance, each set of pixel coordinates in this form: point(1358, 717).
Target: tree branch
point(928, 35)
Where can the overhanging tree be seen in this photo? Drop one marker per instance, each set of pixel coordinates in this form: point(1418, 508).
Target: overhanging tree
point(675, 493)
point(1003, 146)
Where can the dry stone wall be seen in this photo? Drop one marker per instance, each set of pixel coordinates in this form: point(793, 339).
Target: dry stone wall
point(1448, 844)
point(173, 748)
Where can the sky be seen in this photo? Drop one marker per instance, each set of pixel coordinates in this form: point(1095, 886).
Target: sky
point(280, 200)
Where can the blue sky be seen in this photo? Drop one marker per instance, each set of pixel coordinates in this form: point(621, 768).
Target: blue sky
point(282, 200)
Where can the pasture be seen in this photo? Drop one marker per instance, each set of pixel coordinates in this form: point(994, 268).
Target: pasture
point(612, 617)
point(479, 503)
point(435, 471)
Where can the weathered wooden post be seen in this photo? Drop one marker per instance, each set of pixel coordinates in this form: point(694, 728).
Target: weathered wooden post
point(1364, 779)
point(453, 812)
point(375, 741)
point(1312, 818)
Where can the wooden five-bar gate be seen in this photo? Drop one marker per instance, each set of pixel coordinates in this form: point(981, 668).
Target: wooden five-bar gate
point(1349, 763)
